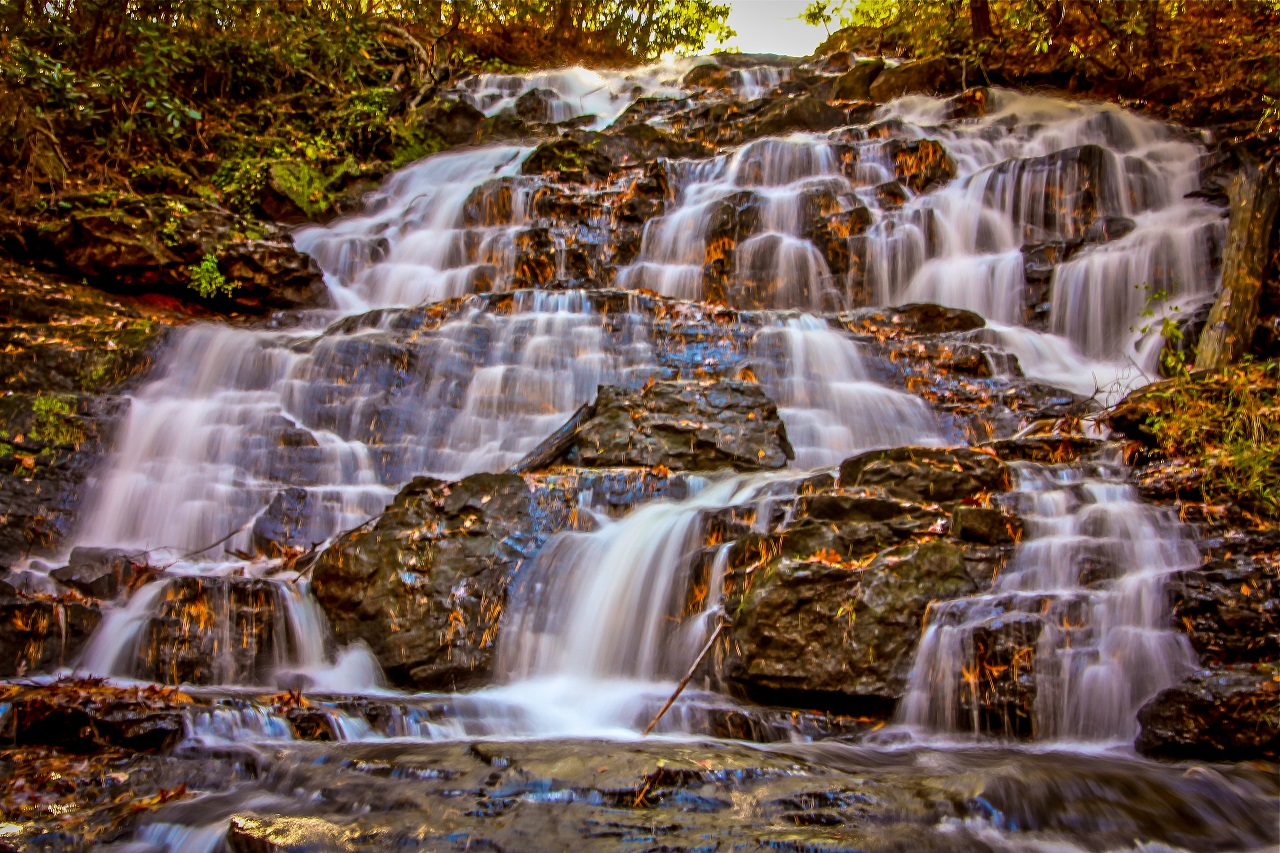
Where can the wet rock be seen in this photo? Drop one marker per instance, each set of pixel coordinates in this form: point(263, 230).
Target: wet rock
point(969, 104)
point(40, 633)
point(709, 76)
point(81, 717)
point(920, 77)
point(1230, 607)
point(537, 105)
point(916, 318)
point(921, 164)
point(1219, 714)
point(151, 244)
point(284, 526)
point(454, 121)
point(1040, 259)
point(855, 84)
point(985, 525)
point(840, 637)
point(1071, 188)
point(684, 426)
point(931, 474)
point(425, 584)
point(215, 630)
point(1045, 449)
point(588, 156)
point(730, 221)
point(1104, 229)
point(100, 572)
point(805, 113)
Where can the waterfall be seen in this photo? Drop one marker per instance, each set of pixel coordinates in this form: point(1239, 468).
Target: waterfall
point(436, 361)
point(1081, 607)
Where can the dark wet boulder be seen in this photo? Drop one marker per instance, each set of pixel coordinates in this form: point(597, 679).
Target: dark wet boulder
point(537, 105)
point(684, 426)
point(709, 76)
point(454, 121)
point(915, 318)
point(820, 633)
point(40, 633)
point(805, 113)
point(584, 156)
point(969, 104)
point(85, 717)
point(1067, 189)
point(425, 584)
point(1104, 229)
point(173, 246)
point(938, 76)
point(730, 221)
point(215, 630)
point(1230, 606)
point(284, 527)
point(100, 573)
point(928, 473)
point(1218, 714)
point(855, 84)
point(569, 159)
point(921, 164)
point(1041, 259)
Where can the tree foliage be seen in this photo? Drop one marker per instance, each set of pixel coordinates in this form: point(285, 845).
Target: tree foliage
point(1208, 62)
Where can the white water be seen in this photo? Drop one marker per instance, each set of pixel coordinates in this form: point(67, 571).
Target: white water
point(606, 622)
point(1084, 596)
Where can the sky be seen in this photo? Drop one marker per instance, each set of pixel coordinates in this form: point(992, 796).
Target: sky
point(772, 26)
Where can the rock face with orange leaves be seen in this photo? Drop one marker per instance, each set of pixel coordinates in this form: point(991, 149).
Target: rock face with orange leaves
point(829, 605)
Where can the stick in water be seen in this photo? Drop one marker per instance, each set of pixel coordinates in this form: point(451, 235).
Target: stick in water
point(711, 641)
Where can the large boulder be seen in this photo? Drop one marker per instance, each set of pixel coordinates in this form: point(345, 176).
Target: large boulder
point(424, 586)
point(855, 84)
point(1219, 714)
point(101, 573)
point(684, 426)
point(922, 77)
point(920, 164)
point(927, 473)
point(183, 247)
point(805, 113)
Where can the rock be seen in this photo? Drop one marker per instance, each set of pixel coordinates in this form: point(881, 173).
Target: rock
point(708, 76)
point(1040, 259)
point(283, 527)
point(152, 244)
point(88, 717)
point(425, 584)
point(1071, 188)
point(1104, 229)
point(916, 318)
point(1230, 607)
point(841, 638)
point(454, 121)
point(730, 221)
point(805, 113)
point(985, 525)
point(215, 630)
point(684, 426)
point(920, 77)
point(855, 84)
point(41, 633)
point(537, 105)
point(932, 474)
point(1218, 714)
point(921, 164)
point(971, 103)
point(587, 156)
point(100, 572)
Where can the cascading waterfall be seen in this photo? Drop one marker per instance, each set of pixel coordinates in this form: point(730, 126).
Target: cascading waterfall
point(347, 408)
point(1081, 606)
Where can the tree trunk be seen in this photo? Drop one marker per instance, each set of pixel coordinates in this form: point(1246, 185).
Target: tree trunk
point(1255, 199)
point(980, 19)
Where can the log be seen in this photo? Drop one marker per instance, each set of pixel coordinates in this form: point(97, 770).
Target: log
point(557, 444)
point(1255, 199)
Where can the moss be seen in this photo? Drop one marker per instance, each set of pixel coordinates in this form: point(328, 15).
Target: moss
point(54, 420)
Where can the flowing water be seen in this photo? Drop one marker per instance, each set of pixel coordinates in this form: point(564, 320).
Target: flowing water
point(338, 410)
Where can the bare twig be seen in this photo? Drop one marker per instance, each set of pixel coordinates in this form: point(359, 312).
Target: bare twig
point(711, 641)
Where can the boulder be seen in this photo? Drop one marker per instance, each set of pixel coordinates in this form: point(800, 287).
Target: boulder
point(537, 105)
point(805, 113)
point(1068, 189)
point(920, 164)
point(284, 526)
point(684, 426)
point(823, 634)
point(39, 633)
point(88, 717)
point(454, 121)
point(855, 84)
point(912, 319)
point(1230, 606)
point(1218, 714)
point(100, 573)
point(932, 474)
point(425, 584)
point(155, 244)
point(938, 76)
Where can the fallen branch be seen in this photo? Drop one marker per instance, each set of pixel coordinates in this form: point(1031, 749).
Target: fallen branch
point(711, 641)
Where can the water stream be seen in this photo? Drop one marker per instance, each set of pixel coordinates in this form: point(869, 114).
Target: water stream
point(352, 402)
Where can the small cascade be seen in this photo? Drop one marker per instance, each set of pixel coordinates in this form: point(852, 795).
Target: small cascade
point(1078, 625)
point(342, 417)
point(565, 94)
point(827, 397)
